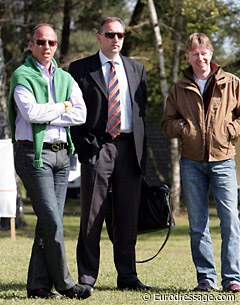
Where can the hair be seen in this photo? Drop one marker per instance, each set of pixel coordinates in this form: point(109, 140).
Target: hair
point(108, 20)
point(195, 40)
point(37, 27)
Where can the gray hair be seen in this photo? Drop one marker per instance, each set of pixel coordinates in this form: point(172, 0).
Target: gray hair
point(107, 20)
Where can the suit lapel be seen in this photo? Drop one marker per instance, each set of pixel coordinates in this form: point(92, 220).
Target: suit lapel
point(97, 75)
point(131, 77)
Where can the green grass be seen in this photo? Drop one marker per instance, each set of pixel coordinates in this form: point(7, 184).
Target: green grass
point(172, 273)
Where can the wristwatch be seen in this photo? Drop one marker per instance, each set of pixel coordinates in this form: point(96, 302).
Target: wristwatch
point(66, 106)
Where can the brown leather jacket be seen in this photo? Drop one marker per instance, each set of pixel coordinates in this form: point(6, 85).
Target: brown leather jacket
point(209, 134)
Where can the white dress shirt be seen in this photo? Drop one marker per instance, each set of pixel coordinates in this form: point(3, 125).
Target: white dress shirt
point(125, 100)
point(54, 114)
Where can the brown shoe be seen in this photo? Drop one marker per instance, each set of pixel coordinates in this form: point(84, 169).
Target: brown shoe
point(233, 288)
point(42, 294)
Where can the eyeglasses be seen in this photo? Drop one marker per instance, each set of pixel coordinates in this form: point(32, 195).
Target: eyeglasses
point(111, 35)
point(42, 42)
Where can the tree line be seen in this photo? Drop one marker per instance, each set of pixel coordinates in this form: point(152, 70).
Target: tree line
point(156, 31)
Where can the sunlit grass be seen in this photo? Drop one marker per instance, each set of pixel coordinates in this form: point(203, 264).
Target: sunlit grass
point(172, 272)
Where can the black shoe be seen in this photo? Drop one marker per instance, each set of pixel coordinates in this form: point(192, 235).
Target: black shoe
point(204, 287)
point(79, 291)
point(42, 294)
point(136, 285)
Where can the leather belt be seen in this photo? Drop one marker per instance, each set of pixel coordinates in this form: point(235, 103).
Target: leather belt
point(55, 146)
point(107, 137)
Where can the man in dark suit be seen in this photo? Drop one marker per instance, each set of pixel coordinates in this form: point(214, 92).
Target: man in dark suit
point(110, 158)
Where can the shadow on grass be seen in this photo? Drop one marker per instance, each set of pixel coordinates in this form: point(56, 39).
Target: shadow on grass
point(72, 223)
point(8, 291)
point(154, 289)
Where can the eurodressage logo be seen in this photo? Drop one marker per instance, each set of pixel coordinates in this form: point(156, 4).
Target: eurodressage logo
point(188, 297)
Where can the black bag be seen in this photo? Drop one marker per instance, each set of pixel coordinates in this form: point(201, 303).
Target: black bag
point(155, 213)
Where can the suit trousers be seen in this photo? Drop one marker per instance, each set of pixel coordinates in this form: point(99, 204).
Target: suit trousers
point(46, 187)
point(114, 166)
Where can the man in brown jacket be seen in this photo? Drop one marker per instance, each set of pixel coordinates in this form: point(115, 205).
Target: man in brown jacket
point(203, 111)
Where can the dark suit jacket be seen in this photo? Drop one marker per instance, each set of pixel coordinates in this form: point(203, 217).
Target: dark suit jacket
point(88, 74)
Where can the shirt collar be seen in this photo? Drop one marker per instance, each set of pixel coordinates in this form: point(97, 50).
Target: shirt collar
point(104, 59)
point(52, 67)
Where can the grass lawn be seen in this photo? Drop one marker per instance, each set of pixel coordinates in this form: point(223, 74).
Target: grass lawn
point(172, 273)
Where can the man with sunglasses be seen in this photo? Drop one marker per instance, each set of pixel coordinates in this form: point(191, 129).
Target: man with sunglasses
point(110, 159)
point(44, 101)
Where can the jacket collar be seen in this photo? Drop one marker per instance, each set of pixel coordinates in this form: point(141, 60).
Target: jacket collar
point(188, 72)
point(216, 71)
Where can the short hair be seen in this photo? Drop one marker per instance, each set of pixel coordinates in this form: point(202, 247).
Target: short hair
point(195, 40)
point(38, 26)
point(108, 20)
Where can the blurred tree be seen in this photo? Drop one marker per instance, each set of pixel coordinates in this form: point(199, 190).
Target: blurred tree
point(178, 19)
point(76, 22)
point(4, 130)
point(65, 30)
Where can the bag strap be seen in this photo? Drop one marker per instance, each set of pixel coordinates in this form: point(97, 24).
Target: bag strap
point(167, 235)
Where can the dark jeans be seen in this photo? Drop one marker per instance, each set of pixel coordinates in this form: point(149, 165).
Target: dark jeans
point(46, 187)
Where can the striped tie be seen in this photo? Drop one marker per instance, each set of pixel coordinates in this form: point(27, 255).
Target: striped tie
point(114, 111)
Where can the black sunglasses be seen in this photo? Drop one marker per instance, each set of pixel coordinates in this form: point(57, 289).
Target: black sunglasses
point(111, 35)
point(42, 42)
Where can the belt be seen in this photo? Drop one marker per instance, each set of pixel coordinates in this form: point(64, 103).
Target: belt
point(55, 146)
point(107, 137)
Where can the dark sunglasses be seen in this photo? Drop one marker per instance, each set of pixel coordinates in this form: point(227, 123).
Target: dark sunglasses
point(42, 42)
point(111, 35)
